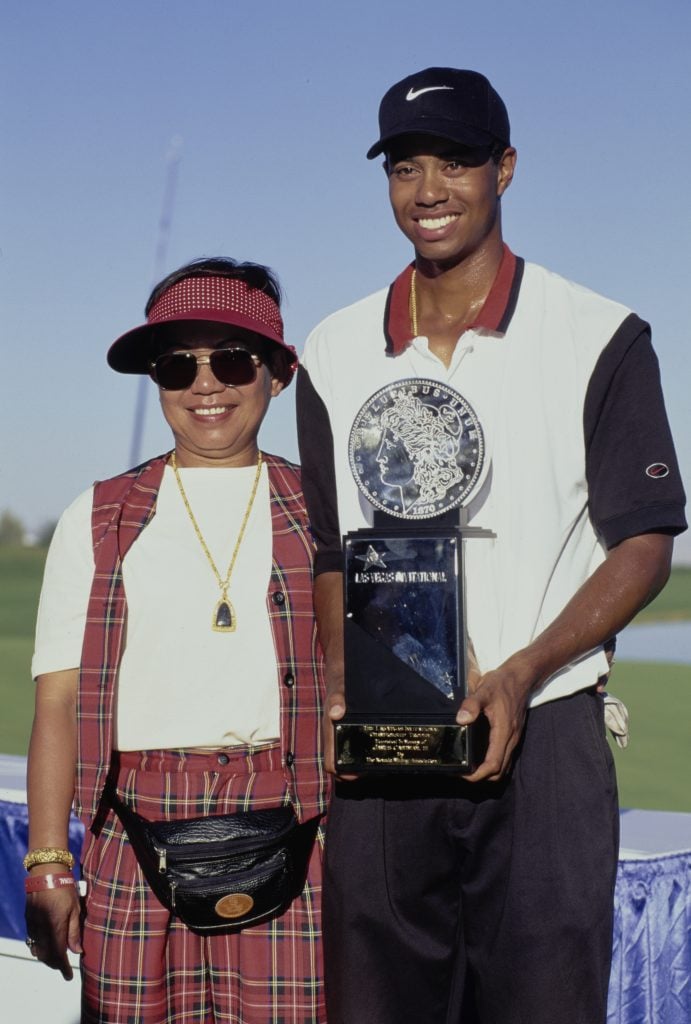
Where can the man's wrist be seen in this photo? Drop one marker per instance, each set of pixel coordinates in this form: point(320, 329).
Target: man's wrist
point(525, 670)
point(334, 674)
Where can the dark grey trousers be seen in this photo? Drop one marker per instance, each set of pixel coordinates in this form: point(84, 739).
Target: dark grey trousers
point(448, 903)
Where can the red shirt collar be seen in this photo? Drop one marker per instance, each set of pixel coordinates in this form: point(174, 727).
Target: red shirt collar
point(495, 314)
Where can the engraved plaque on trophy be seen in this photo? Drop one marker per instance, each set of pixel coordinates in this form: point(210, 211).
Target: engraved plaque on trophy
point(417, 453)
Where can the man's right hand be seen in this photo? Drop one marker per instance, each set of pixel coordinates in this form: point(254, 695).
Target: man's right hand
point(52, 919)
point(334, 710)
point(328, 605)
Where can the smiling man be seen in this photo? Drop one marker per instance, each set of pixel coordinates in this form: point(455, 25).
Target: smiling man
point(490, 898)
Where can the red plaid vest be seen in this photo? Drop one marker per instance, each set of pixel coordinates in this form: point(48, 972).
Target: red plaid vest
point(122, 508)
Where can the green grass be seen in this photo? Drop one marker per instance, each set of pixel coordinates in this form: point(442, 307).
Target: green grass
point(21, 572)
point(653, 770)
point(16, 694)
point(674, 603)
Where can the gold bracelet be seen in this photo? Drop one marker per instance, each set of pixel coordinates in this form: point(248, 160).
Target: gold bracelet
point(48, 855)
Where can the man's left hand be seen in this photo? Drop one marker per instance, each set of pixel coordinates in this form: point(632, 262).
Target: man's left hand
point(502, 696)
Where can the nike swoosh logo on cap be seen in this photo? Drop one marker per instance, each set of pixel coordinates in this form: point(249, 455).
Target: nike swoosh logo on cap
point(414, 93)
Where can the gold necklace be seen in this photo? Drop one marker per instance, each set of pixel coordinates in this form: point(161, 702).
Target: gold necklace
point(224, 614)
point(413, 304)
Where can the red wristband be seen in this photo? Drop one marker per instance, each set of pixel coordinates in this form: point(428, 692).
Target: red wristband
point(36, 883)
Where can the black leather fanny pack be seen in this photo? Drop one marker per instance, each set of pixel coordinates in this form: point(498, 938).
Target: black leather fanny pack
point(221, 873)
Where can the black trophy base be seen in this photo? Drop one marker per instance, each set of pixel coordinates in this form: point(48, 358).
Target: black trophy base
point(393, 747)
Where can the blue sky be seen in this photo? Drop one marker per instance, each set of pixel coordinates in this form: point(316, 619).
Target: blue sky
point(276, 105)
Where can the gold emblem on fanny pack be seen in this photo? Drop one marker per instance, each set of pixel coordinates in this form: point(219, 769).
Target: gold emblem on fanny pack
point(235, 904)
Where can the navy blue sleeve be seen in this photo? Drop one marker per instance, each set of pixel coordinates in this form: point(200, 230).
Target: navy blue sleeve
point(634, 484)
point(315, 440)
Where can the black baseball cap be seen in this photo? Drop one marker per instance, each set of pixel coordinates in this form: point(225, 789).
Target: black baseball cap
point(458, 105)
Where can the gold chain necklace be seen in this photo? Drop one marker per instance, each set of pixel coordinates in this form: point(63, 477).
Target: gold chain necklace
point(224, 614)
point(413, 304)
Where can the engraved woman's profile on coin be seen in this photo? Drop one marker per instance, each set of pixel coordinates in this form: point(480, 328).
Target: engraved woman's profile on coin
point(416, 449)
point(419, 450)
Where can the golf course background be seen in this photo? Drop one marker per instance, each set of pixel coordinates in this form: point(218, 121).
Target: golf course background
point(653, 771)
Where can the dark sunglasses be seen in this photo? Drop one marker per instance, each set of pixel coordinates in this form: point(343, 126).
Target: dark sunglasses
point(175, 371)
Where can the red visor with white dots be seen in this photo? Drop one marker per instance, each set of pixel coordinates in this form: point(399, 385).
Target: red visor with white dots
point(196, 308)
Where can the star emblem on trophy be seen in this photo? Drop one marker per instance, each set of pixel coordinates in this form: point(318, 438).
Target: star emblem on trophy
point(371, 559)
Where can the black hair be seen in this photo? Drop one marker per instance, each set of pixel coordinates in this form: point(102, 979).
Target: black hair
point(497, 151)
point(253, 274)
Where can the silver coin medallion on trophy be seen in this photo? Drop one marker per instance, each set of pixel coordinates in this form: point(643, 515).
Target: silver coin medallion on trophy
point(417, 449)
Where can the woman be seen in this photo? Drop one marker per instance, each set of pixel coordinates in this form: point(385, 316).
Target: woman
point(177, 667)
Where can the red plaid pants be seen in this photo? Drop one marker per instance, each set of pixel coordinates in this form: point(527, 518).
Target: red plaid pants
point(141, 965)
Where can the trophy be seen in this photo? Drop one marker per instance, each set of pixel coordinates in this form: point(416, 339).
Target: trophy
point(417, 453)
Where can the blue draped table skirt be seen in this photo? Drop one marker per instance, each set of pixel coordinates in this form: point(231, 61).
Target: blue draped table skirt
point(651, 962)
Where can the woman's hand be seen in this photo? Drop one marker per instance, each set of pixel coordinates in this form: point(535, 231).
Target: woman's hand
point(52, 915)
point(52, 921)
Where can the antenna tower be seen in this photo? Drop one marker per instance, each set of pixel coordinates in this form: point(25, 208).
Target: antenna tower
point(165, 220)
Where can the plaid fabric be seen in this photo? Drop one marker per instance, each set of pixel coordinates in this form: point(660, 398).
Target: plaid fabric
point(143, 966)
point(122, 508)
